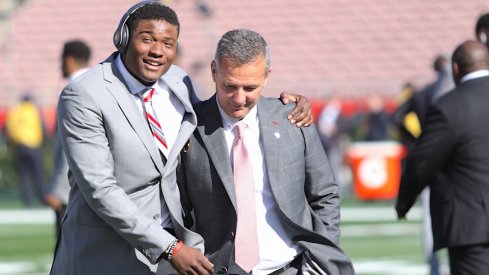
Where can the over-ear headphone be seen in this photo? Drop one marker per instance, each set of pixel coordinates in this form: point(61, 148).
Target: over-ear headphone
point(121, 34)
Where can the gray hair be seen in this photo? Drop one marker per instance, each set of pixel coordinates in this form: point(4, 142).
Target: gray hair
point(242, 46)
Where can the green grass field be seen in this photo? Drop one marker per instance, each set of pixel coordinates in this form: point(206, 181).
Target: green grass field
point(26, 249)
point(377, 246)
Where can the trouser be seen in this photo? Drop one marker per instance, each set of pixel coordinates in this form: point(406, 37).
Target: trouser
point(469, 259)
point(59, 218)
point(31, 175)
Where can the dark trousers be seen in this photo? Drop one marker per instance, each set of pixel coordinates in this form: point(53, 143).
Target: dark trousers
point(469, 260)
point(59, 219)
point(31, 175)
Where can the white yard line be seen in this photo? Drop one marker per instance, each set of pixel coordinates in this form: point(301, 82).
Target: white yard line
point(27, 216)
point(348, 214)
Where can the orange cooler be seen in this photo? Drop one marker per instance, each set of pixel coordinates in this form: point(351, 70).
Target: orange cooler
point(376, 168)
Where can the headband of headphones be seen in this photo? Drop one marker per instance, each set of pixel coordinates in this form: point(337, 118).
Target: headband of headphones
point(121, 34)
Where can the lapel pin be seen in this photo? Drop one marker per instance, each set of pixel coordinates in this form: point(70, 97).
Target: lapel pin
point(186, 146)
point(275, 122)
point(277, 134)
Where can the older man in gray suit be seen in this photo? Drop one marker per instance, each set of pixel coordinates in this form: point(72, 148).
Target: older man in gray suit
point(262, 192)
point(123, 125)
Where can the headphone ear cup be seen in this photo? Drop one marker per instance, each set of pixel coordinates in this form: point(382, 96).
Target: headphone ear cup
point(121, 34)
point(117, 39)
point(124, 38)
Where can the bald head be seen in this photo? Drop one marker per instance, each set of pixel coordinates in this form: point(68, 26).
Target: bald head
point(468, 57)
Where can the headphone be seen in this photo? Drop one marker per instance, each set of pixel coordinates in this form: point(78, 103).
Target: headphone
point(121, 34)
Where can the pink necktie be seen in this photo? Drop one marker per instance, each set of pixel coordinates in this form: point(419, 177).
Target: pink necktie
point(246, 242)
point(154, 124)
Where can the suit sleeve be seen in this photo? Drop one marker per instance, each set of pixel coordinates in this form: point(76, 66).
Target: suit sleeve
point(427, 158)
point(81, 123)
point(59, 185)
point(320, 185)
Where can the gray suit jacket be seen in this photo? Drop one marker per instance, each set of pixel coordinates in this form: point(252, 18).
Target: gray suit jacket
point(301, 180)
point(117, 177)
point(59, 185)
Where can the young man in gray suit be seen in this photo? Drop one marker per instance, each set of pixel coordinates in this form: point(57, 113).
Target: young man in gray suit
point(123, 125)
point(273, 207)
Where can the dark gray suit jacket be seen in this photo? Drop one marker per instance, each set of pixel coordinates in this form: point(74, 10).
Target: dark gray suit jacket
point(300, 177)
point(452, 156)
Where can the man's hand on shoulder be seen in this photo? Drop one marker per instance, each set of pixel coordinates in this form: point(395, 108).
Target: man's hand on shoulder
point(301, 115)
point(189, 260)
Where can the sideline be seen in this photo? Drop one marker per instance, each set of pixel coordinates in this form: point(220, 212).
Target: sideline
point(348, 214)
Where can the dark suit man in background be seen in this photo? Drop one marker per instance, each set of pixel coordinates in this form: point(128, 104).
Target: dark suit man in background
point(452, 157)
point(418, 105)
point(268, 202)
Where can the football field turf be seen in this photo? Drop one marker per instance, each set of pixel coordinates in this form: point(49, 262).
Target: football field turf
point(376, 242)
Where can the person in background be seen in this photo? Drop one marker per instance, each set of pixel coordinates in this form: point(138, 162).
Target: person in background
point(74, 62)
point(123, 124)
point(452, 157)
point(377, 121)
point(417, 107)
point(482, 29)
point(25, 133)
point(262, 192)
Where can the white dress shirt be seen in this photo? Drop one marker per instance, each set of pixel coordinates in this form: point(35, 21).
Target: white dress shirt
point(169, 112)
point(77, 73)
point(275, 247)
point(473, 75)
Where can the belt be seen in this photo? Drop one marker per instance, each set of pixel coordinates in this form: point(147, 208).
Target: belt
point(295, 263)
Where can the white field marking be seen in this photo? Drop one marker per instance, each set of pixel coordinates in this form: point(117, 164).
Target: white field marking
point(27, 216)
point(348, 214)
point(379, 230)
point(376, 214)
point(386, 267)
point(16, 268)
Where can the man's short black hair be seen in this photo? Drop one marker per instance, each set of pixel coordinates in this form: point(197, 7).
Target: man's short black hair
point(482, 23)
point(77, 49)
point(153, 11)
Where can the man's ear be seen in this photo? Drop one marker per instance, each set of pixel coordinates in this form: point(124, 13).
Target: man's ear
point(266, 77)
point(213, 70)
point(456, 72)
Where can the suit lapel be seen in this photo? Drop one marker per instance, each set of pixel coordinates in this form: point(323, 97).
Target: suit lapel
point(178, 87)
point(270, 135)
point(133, 115)
point(212, 133)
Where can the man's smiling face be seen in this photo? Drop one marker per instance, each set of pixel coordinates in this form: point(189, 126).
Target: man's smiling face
point(151, 50)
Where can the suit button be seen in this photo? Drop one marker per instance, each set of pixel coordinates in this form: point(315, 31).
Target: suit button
point(223, 270)
point(156, 217)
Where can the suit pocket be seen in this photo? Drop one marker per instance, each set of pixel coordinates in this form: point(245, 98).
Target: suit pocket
point(86, 216)
point(147, 200)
